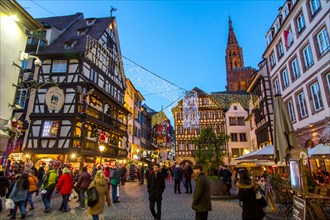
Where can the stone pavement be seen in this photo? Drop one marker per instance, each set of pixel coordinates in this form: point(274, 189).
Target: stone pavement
point(134, 205)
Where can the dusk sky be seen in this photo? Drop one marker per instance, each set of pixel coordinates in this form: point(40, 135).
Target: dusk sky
point(183, 42)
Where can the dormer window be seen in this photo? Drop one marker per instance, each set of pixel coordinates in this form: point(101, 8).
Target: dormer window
point(81, 31)
point(69, 44)
point(90, 21)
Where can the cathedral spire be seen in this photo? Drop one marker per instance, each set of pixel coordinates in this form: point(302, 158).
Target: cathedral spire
point(231, 36)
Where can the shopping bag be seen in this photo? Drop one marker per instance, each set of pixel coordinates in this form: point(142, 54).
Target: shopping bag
point(117, 190)
point(10, 204)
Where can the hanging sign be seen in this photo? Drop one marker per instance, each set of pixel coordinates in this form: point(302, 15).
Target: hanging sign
point(54, 98)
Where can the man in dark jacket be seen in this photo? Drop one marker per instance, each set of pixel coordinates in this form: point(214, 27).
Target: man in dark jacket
point(187, 176)
point(177, 176)
point(202, 194)
point(156, 187)
point(227, 178)
point(40, 176)
point(83, 183)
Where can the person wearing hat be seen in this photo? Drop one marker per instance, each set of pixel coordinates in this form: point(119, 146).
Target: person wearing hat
point(202, 194)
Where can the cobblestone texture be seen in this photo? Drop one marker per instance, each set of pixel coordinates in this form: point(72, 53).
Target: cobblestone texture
point(134, 205)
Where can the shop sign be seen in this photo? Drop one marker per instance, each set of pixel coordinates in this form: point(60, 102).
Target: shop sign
point(54, 98)
point(299, 211)
point(89, 159)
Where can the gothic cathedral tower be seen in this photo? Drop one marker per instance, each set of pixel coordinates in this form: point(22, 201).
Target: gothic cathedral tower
point(238, 76)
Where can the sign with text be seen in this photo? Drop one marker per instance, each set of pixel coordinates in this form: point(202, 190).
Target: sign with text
point(299, 211)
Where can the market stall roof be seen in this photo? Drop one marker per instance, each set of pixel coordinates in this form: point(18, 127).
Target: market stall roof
point(319, 150)
point(266, 153)
point(254, 163)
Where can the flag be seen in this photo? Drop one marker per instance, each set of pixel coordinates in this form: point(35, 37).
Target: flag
point(288, 38)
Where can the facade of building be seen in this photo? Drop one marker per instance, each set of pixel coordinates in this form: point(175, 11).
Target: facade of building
point(210, 115)
point(78, 104)
point(238, 76)
point(15, 22)
point(260, 116)
point(133, 102)
point(297, 56)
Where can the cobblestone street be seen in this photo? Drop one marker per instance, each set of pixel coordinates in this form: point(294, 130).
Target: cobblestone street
point(134, 204)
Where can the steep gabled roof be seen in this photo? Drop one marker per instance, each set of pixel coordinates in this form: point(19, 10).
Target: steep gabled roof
point(225, 99)
point(70, 35)
point(59, 22)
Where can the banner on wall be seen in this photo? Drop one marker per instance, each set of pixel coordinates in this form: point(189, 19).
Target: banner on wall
point(190, 110)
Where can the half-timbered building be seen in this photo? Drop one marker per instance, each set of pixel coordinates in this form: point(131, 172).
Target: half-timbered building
point(210, 114)
point(79, 102)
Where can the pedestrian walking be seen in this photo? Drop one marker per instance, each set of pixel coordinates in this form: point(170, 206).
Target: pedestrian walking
point(247, 197)
point(227, 178)
point(33, 181)
point(141, 174)
point(19, 195)
point(101, 183)
point(48, 187)
point(156, 187)
point(115, 181)
point(202, 194)
point(4, 184)
point(177, 176)
point(84, 180)
point(123, 173)
point(40, 176)
point(65, 186)
point(187, 176)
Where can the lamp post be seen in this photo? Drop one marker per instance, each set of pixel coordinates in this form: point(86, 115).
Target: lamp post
point(101, 148)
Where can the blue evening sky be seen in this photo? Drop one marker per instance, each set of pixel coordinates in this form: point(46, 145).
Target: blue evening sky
point(184, 42)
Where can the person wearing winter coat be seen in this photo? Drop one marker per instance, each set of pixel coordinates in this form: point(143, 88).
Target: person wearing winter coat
point(33, 181)
point(156, 187)
point(4, 184)
point(177, 176)
point(83, 182)
point(187, 176)
point(65, 186)
point(101, 183)
point(202, 194)
point(19, 195)
point(49, 184)
point(115, 181)
point(247, 197)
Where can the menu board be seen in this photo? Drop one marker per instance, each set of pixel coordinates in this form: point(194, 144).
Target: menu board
point(299, 211)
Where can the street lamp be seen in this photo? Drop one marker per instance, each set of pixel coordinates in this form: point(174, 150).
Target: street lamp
point(101, 148)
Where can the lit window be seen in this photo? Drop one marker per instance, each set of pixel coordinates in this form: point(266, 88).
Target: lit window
point(59, 66)
point(291, 111)
point(316, 96)
point(323, 41)
point(302, 105)
point(295, 68)
point(50, 128)
point(308, 57)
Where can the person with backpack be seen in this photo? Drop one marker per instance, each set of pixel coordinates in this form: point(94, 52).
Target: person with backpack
point(48, 187)
point(115, 180)
point(19, 195)
point(83, 182)
point(101, 184)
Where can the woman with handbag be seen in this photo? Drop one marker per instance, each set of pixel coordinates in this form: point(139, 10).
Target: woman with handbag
point(247, 189)
point(101, 184)
point(19, 195)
